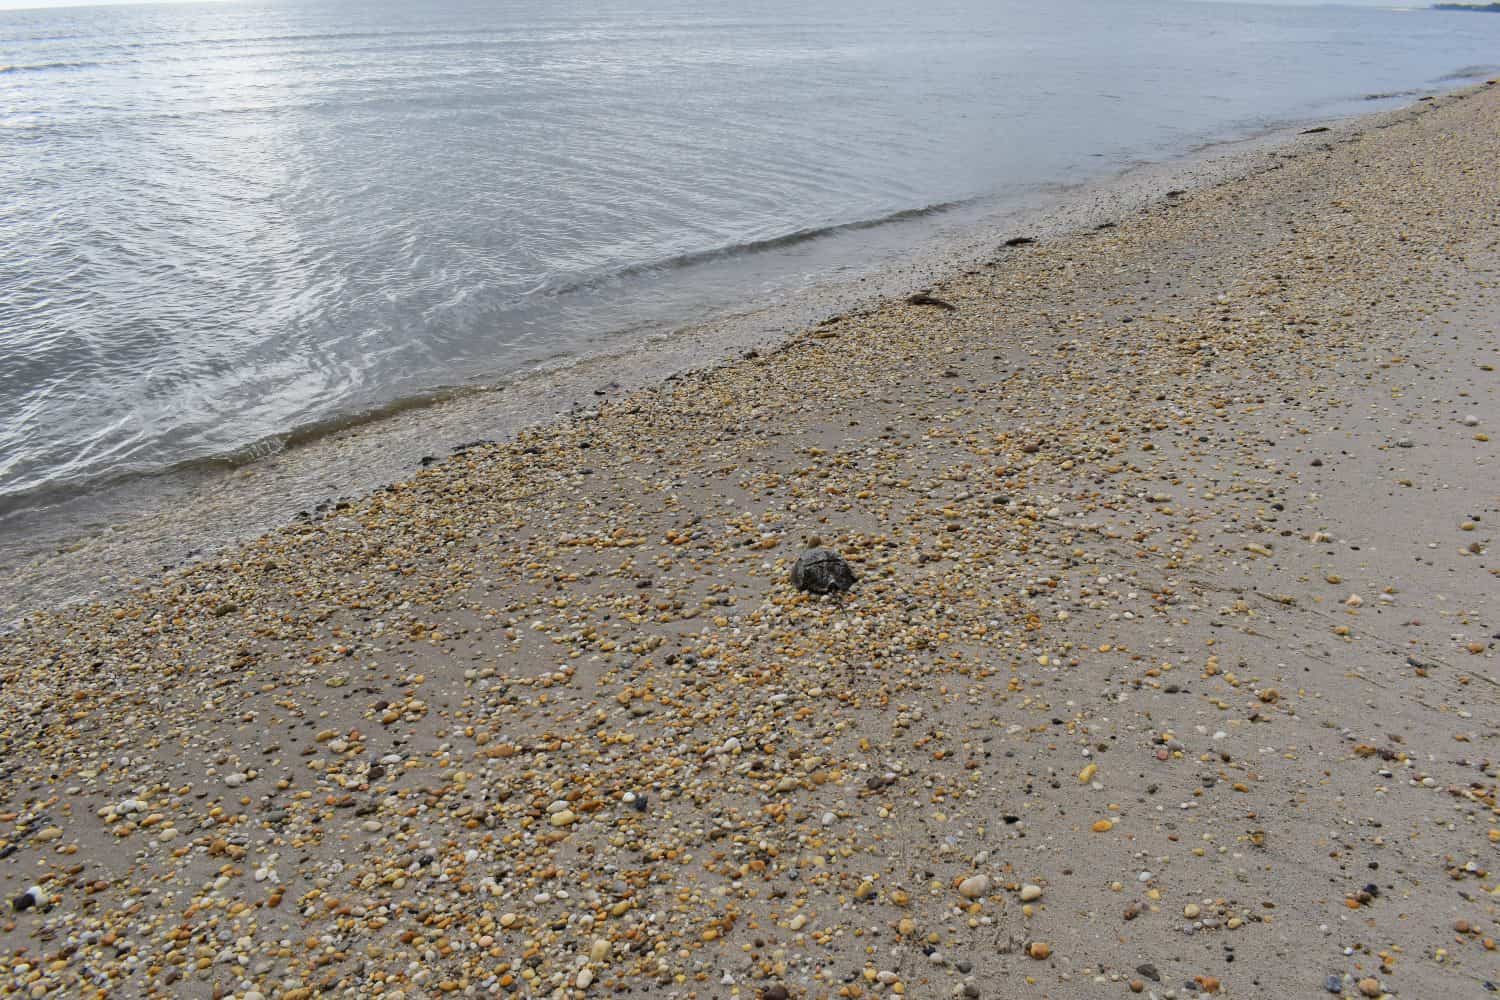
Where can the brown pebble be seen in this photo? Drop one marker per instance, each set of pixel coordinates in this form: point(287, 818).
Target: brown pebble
point(1039, 950)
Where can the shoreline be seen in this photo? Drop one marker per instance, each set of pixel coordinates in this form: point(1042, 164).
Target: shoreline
point(150, 523)
point(1170, 669)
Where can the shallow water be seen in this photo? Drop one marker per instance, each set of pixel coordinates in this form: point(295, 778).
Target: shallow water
point(226, 222)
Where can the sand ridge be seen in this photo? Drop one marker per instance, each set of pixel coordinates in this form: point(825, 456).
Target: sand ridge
point(1170, 668)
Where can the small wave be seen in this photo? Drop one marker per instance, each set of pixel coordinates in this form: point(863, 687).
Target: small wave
point(1467, 73)
point(42, 67)
point(696, 257)
point(46, 494)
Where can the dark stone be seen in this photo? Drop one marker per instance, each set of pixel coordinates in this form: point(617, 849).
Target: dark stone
point(775, 993)
point(822, 571)
point(923, 299)
point(1315, 131)
point(1019, 241)
point(1149, 971)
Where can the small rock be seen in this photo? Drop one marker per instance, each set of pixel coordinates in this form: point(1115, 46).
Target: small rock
point(974, 887)
point(1039, 950)
point(31, 898)
point(1030, 892)
point(923, 299)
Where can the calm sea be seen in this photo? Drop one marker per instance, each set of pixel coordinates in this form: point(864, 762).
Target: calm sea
point(220, 223)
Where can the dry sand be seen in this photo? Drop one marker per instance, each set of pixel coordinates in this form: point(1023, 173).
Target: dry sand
point(1170, 670)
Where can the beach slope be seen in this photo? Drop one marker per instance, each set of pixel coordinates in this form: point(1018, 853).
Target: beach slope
point(1170, 668)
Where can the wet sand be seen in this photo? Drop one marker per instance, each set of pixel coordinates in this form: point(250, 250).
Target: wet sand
point(1170, 669)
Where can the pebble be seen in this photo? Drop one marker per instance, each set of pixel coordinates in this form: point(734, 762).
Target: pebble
point(30, 899)
point(974, 887)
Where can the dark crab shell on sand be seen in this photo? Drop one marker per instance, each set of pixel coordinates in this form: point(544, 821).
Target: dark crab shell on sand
point(822, 571)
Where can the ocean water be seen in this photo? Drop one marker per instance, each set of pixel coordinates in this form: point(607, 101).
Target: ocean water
point(225, 223)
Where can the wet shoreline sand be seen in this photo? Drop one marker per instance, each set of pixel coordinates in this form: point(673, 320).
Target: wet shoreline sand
point(1170, 668)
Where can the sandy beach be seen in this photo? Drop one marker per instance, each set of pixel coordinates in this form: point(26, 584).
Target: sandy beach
point(1170, 669)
